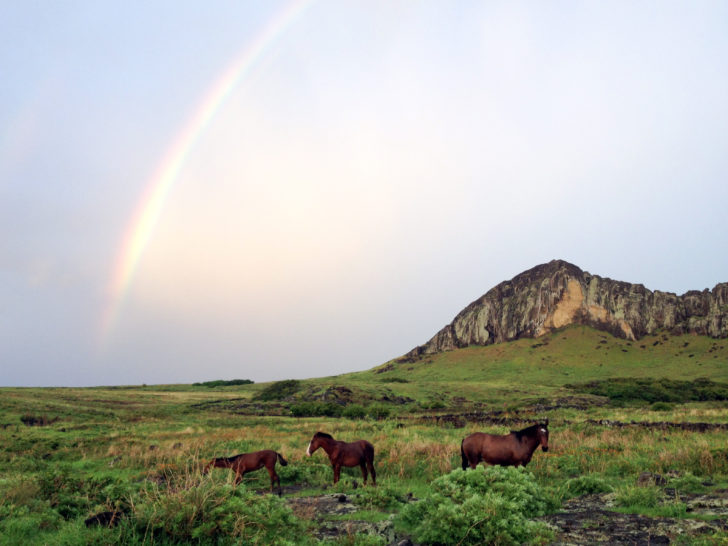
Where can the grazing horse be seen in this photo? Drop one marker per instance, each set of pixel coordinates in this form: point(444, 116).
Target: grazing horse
point(512, 449)
point(341, 454)
point(248, 462)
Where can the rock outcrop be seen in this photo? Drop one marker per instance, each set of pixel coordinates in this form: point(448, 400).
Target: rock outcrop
point(557, 294)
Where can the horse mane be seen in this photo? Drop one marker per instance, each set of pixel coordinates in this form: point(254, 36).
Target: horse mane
point(528, 431)
point(323, 435)
point(226, 459)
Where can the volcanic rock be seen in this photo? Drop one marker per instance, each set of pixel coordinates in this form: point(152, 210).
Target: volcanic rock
point(557, 294)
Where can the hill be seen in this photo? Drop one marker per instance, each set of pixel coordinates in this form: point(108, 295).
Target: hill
point(557, 294)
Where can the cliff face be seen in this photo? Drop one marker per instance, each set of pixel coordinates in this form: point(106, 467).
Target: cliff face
point(558, 293)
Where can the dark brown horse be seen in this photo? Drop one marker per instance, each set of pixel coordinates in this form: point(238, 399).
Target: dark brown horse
point(248, 462)
point(341, 454)
point(512, 449)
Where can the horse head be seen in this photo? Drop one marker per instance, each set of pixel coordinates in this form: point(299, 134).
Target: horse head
point(543, 435)
point(318, 439)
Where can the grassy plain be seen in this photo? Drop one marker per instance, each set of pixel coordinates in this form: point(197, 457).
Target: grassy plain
point(67, 454)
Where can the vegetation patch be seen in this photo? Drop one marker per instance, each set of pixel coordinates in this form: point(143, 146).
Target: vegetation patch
point(621, 390)
point(279, 390)
point(481, 506)
point(223, 383)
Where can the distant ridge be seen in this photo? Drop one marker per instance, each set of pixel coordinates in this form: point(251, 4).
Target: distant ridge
point(558, 293)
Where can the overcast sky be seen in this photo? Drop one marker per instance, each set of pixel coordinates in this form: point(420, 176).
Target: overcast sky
point(337, 179)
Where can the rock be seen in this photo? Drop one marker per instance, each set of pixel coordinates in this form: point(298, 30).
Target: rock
point(648, 478)
point(104, 519)
point(558, 294)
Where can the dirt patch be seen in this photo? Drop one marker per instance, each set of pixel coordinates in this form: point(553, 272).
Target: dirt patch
point(591, 520)
point(321, 509)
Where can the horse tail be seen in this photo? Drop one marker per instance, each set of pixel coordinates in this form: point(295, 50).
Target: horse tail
point(462, 454)
point(369, 452)
point(281, 459)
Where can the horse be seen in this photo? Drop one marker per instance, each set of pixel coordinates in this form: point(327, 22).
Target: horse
point(512, 449)
point(341, 454)
point(249, 462)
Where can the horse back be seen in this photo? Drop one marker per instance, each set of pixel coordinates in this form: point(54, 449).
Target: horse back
point(367, 450)
point(491, 448)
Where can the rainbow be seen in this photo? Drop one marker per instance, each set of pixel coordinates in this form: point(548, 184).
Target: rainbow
point(145, 219)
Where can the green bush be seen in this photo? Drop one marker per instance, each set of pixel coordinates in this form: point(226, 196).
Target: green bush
point(354, 411)
point(662, 406)
point(316, 409)
point(586, 485)
point(638, 497)
point(223, 383)
point(279, 390)
point(624, 389)
point(209, 513)
point(688, 483)
point(378, 412)
point(381, 497)
point(481, 506)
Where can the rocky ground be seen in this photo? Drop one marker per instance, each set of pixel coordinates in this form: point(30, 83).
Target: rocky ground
point(590, 519)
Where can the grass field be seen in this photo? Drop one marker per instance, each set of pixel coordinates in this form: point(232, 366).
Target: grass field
point(67, 454)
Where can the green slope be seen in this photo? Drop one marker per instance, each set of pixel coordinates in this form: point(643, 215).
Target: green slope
point(528, 369)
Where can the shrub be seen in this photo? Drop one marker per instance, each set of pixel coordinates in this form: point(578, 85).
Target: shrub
point(223, 383)
point(316, 409)
point(279, 390)
point(481, 506)
point(688, 483)
point(638, 497)
point(354, 411)
point(207, 512)
point(586, 485)
point(661, 406)
point(378, 412)
point(621, 389)
point(381, 497)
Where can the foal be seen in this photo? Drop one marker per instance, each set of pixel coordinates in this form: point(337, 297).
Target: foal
point(248, 462)
point(341, 454)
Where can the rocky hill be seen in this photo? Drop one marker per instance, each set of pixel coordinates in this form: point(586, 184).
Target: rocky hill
point(558, 293)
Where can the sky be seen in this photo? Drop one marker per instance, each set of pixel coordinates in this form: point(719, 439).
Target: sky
point(269, 190)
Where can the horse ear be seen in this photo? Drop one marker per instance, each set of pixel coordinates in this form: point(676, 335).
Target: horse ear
point(546, 422)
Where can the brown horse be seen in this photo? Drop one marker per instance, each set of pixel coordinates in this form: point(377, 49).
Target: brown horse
point(248, 462)
point(512, 449)
point(341, 454)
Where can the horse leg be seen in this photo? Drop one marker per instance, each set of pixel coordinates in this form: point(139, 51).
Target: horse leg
point(363, 471)
point(238, 477)
point(273, 478)
point(370, 464)
point(337, 473)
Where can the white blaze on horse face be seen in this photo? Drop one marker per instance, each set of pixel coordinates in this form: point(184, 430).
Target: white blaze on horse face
point(308, 449)
point(543, 430)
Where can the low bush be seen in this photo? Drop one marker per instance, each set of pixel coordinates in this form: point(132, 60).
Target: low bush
point(210, 513)
point(378, 411)
point(621, 389)
point(586, 485)
point(688, 483)
point(636, 497)
point(354, 411)
point(481, 506)
point(279, 390)
point(316, 409)
point(381, 497)
point(223, 383)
